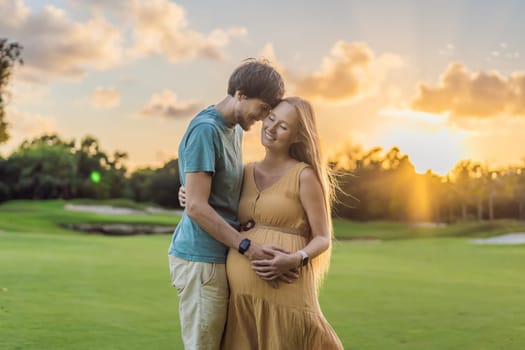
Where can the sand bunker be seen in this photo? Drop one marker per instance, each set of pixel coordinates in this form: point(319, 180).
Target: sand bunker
point(509, 238)
point(120, 229)
point(102, 209)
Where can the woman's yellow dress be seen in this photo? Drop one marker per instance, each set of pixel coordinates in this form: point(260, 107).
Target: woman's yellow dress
point(262, 317)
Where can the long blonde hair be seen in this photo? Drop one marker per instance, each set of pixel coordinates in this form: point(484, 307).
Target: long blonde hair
point(308, 150)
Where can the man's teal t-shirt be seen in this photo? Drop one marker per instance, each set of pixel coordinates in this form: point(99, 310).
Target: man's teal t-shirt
point(209, 145)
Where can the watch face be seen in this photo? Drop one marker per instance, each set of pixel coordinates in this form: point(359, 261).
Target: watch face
point(244, 245)
point(305, 257)
point(305, 261)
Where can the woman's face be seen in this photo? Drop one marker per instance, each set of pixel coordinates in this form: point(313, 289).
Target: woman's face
point(280, 127)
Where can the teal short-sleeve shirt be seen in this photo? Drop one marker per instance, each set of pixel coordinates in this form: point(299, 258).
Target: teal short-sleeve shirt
point(209, 145)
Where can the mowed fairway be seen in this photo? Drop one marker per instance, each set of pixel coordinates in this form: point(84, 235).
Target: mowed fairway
point(427, 294)
point(76, 291)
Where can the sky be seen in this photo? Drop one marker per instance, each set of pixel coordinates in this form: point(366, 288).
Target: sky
point(442, 80)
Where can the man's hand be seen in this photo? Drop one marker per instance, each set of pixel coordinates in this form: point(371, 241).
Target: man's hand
point(262, 252)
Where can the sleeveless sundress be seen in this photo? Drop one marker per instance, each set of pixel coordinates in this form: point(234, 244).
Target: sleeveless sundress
point(259, 316)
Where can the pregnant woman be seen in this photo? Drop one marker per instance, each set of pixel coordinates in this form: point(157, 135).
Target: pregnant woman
point(286, 202)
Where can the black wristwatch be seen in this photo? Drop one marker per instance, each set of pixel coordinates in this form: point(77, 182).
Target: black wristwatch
point(244, 245)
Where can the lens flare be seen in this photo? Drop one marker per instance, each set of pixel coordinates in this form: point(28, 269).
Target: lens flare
point(95, 177)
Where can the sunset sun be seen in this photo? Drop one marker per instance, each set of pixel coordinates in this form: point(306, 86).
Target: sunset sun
point(438, 151)
point(426, 138)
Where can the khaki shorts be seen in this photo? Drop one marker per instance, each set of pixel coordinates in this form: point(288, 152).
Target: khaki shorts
point(203, 301)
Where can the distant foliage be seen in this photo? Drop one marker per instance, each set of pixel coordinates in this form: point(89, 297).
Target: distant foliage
point(386, 187)
point(159, 186)
point(50, 167)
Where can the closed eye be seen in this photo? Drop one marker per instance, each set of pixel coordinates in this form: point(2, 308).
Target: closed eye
point(265, 108)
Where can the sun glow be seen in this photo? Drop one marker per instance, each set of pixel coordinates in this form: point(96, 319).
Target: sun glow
point(438, 150)
point(426, 138)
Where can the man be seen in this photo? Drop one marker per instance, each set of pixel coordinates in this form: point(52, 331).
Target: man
point(211, 169)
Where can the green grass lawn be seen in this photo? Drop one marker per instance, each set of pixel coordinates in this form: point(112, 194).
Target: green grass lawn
point(345, 229)
point(46, 216)
point(66, 290)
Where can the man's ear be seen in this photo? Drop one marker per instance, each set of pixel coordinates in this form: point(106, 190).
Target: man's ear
point(239, 95)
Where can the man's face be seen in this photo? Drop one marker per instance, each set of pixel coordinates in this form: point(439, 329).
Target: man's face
point(250, 110)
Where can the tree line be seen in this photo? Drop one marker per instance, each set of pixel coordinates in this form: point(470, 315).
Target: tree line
point(48, 167)
point(374, 184)
point(378, 185)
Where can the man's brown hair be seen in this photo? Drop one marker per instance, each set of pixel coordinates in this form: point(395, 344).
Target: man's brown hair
point(257, 79)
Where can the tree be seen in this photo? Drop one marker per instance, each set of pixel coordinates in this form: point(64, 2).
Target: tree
point(9, 56)
point(516, 187)
point(42, 168)
point(99, 175)
point(164, 185)
point(463, 185)
point(140, 184)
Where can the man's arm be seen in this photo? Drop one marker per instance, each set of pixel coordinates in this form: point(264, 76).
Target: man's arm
point(198, 189)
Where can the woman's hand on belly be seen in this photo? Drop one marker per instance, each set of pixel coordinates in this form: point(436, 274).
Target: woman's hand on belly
point(282, 265)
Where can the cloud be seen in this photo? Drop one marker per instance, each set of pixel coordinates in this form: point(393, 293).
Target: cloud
point(57, 46)
point(105, 97)
point(161, 27)
point(351, 71)
point(16, 12)
point(166, 105)
point(473, 94)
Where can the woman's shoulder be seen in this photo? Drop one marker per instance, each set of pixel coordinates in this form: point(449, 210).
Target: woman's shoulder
point(307, 175)
point(305, 170)
point(303, 167)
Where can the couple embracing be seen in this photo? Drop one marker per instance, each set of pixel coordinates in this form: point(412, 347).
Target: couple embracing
point(254, 241)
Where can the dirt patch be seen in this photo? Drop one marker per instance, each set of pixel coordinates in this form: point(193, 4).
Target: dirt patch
point(120, 229)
